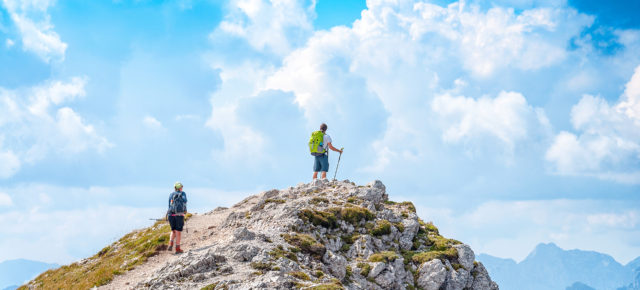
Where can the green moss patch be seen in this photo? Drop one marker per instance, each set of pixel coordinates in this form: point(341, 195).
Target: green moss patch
point(385, 256)
point(364, 269)
point(319, 218)
point(409, 205)
point(330, 286)
point(353, 214)
point(279, 252)
point(330, 217)
point(262, 266)
point(383, 227)
point(318, 200)
point(306, 243)
point(210, 286)
point(447, 254)
point(300, 275)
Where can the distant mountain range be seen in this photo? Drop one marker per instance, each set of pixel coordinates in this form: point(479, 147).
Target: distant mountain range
point(14, 273)
point(550, 267)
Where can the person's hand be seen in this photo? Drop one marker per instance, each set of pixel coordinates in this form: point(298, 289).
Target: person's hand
point(341, 149)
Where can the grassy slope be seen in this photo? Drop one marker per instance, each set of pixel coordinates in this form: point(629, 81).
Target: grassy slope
point(131, 250)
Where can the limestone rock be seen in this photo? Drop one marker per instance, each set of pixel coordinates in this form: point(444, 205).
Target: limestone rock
point(432, 275)
point(324, 233)
point(466, 257)
point(337, 264)
point(481, 280)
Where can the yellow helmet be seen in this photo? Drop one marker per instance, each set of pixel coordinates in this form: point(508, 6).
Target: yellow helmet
point(178, 185)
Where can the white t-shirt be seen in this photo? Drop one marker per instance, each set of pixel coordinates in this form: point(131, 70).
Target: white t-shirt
point(325, 141)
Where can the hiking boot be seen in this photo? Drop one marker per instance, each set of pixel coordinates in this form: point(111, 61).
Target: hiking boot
point(178, 250)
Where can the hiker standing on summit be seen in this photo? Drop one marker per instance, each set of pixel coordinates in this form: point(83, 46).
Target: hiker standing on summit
point(318, 144)
point(176, 212)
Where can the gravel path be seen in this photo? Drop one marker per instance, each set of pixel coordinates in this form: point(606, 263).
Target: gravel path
point(200, 233)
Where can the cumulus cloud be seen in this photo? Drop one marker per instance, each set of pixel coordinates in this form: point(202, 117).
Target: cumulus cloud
point(34, 24)
point(378, 79)
point(273, 26)
point(40, 123)
point(55, 93)
point(507, 118)
point(516, 227)
point(40, 213)
point(608, 143)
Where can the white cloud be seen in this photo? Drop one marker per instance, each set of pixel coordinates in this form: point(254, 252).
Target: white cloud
point(608, 146)
point(78, 136)
point(241, 142)
point(507, 118)
point(498, 38)
point(91, 218)
point(379, 77)
point(152, 123)
point(34, 25)
point(40, 124)
point(55, 93)
point(9, 43)
point(5, 199)
point(274, 26)
point(9, 164)
point(516, 227)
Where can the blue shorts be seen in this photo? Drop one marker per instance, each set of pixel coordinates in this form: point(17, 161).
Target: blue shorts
point(321, 163)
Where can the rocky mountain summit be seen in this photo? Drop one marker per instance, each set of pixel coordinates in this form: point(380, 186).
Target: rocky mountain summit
point(320, 235)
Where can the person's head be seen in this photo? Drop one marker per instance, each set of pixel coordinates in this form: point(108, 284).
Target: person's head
point(323, 127)
point(178, 186)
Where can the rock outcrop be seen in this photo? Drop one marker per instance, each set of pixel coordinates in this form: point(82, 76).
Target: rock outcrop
point(327, 234)
point(320, 235)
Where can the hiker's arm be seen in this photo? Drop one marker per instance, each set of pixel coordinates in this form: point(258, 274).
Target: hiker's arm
point(334, 148)
point(184, 196)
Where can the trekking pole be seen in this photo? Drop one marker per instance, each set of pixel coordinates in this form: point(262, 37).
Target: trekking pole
point(334, 175)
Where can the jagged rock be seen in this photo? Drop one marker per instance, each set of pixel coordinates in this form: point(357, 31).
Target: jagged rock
point(306, 236)
point(411, 228)
point(363, 247)
point(376, 269)
point(244, 252)
point(386, 279)
point(432, 275)
point(337, 264)
point(457, 280)
point(465, 256)
point(481, 279)
point(374, 192)
point(242, 234)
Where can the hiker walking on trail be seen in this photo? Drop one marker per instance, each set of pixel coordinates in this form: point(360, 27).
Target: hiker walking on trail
point(318, 144)
point(176, 212)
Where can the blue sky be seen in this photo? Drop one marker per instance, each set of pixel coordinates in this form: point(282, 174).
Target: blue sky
point(508, 123)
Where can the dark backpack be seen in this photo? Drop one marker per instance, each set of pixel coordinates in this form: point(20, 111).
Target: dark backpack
point(177, 203)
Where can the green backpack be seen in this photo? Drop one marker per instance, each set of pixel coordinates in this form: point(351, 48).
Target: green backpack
point(315, 142)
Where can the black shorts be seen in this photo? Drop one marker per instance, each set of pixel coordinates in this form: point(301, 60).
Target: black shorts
point(176, 222)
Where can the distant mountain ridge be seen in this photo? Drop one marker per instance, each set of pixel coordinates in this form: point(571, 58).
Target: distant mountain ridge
point(550, 267)
point(16, 272)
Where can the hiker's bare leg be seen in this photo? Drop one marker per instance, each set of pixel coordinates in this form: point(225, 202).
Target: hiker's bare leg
point(178, 234)
point(315, 175)
point(324, 175)
point(172, 237)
